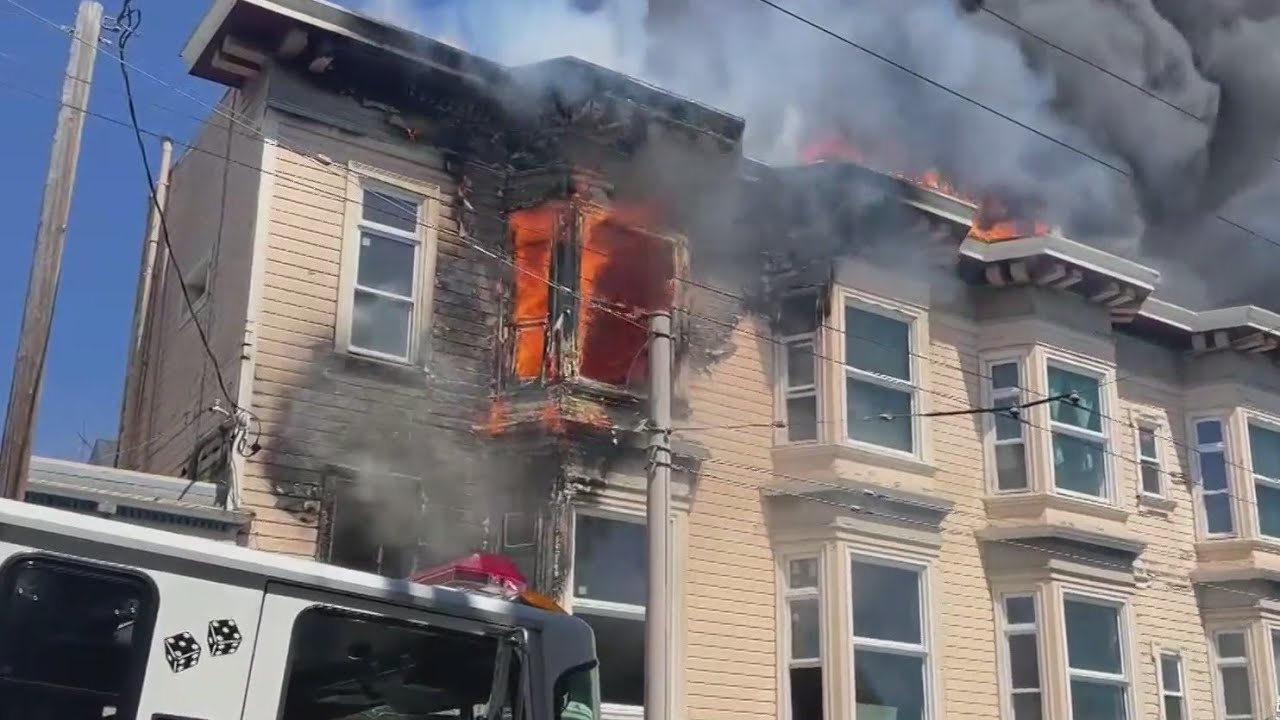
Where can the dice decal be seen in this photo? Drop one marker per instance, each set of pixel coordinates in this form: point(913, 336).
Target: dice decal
point(181, 651)
point(224, 637)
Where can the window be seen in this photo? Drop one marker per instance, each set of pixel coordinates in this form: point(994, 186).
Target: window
point(1149, 468)
point(1275, 660)
point(345, 665)
point(804, 656)
point(1022, 662)
point(1079, 438)
point(383, 272)
point(1096, 663)
point(880, 383)
point(74, 640)
point(609, 586)
point(1173, 698)
point(196, 278)
point(1264, 456)
point(371, 523)
point(890, 641)
point(1211, 475)
point(1235, 692)
point(1007, 429)
point(797, 328)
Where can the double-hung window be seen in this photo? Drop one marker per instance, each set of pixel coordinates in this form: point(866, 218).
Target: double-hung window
point(799, 363)
point(384, 289)
point(1080, 444)
point(1022, 659)
point(881, 388)
point(1211, 474)
point(1235, 690)
point(1264, 458)
point(1149, 469)
point(890, 640)
point(609, 593)
point(1173, 697)
point(804, 654)
point(1097, 669)
point(1007, 427)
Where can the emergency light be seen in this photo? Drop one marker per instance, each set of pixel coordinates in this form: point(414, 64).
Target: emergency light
point(488, 574)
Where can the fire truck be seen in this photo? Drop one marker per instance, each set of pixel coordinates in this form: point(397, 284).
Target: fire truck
point(101, 619)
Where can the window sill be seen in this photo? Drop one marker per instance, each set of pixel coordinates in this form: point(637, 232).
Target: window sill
point(612, 711)
point(1157, 504)
point(1033, 515)
point(1235, 558)
point(379, 368)
point(844, 461)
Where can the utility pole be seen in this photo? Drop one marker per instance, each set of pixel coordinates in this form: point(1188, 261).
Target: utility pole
point(46, 264)
point(657, 616)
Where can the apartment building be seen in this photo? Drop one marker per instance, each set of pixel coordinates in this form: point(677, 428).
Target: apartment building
point(926, 466)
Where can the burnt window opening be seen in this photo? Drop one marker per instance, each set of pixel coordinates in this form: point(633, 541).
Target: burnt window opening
point(797, 336)
point(585, 282)
point(371, 523)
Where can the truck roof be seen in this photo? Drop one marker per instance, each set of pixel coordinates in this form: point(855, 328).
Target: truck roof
point(68, 533)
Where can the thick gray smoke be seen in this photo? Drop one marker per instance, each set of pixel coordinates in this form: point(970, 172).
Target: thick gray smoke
point(1216, 62)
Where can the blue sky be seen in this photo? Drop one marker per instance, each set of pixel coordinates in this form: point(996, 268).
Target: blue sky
point(85, 369)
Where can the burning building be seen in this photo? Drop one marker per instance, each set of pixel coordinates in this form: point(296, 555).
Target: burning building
point(430, 283)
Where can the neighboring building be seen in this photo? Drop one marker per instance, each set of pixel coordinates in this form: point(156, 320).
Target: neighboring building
point(392, 282)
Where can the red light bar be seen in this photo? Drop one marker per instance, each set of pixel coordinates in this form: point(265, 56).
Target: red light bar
point(482, 572)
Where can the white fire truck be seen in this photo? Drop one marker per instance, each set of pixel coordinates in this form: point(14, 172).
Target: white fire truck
point(101, 619)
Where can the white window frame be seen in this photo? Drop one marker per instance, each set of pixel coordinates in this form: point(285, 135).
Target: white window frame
point(423, 240)
point(914, 319)
point(1006, 396)
point(1124, 679)
point(1153, 461)
point(1269, 425)
point(1219, 662)
point(789, 392)
point(790, 594)
point(1159, 654)
point(924, 650)
point(1007, 630)
point(1224, 447)
point(1103, 435)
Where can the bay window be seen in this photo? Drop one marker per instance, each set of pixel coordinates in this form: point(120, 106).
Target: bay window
point(1150, 474)
point(804, 654)
point(881, 387)
point(1264, 458)
point(798, 327)
point(1097, 666)
point(1210, 453)
point(1022, 657)
point(891, 661)
point(1007, 429)
point(1173, 697)
point(1235, 689)
point(1079, 439)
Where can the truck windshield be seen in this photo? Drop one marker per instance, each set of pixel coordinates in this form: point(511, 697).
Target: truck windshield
point(352, 667)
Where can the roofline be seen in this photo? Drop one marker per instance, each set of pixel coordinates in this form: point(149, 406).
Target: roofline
point(1062, 248)
point(204, 31)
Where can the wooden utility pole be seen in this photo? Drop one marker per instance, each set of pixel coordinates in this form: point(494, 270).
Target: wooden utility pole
point(657, 616)
point(46, 263)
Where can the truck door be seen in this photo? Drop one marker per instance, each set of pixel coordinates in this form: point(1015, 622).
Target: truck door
point(323, 655)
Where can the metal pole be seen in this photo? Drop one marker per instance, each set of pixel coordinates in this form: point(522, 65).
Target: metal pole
point(657, 648)
point(46, 265)
point(136, 369)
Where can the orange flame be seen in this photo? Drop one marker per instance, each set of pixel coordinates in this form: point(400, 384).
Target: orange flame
point(533, 232)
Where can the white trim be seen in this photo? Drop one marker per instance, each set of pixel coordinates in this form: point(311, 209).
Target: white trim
point(1218, 662)
point(1004, 631)
point(786, 392)
point(1196, 450)
point(1159, 654)
point(1123, 679)
point(787, 595)
point(1155, 460)
point(993, 397)
point(925, 649)
point(1265, 424)
point(1103, 376)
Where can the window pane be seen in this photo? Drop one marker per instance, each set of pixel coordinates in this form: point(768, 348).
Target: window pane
point(798, 315)
point(391, 211)
point(1086, 414)
point(1004, 375)
point(1173, 708)
point(884, 680)
point(1171, 673)
point(877, 344)
point(803, 573)
point(1208, 432)
point(1275, 654)
point(1268, 509)
point(1213, 471)
point(1027, 706)
point(1147, 442)
point(1079, 465)
point(806, 693)
point(1008, 426)
point(867, 402)
point(805, 629)
point(1011, 467)
point(802, 418)
point(381, 324)
point(800, 364)
point(1024, 661)
point(1236, 695)
point(1151, 479)
point(1217, 511)
point(1093, 637)
point(1020, 610)
point(1231, 645)
point(886, 603)
point(1264, 448)
point(386, 265)
point(620, 650)
point(609, 560)
point(1097, 701)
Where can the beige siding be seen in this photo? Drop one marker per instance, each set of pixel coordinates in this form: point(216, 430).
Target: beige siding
point(210, 214)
